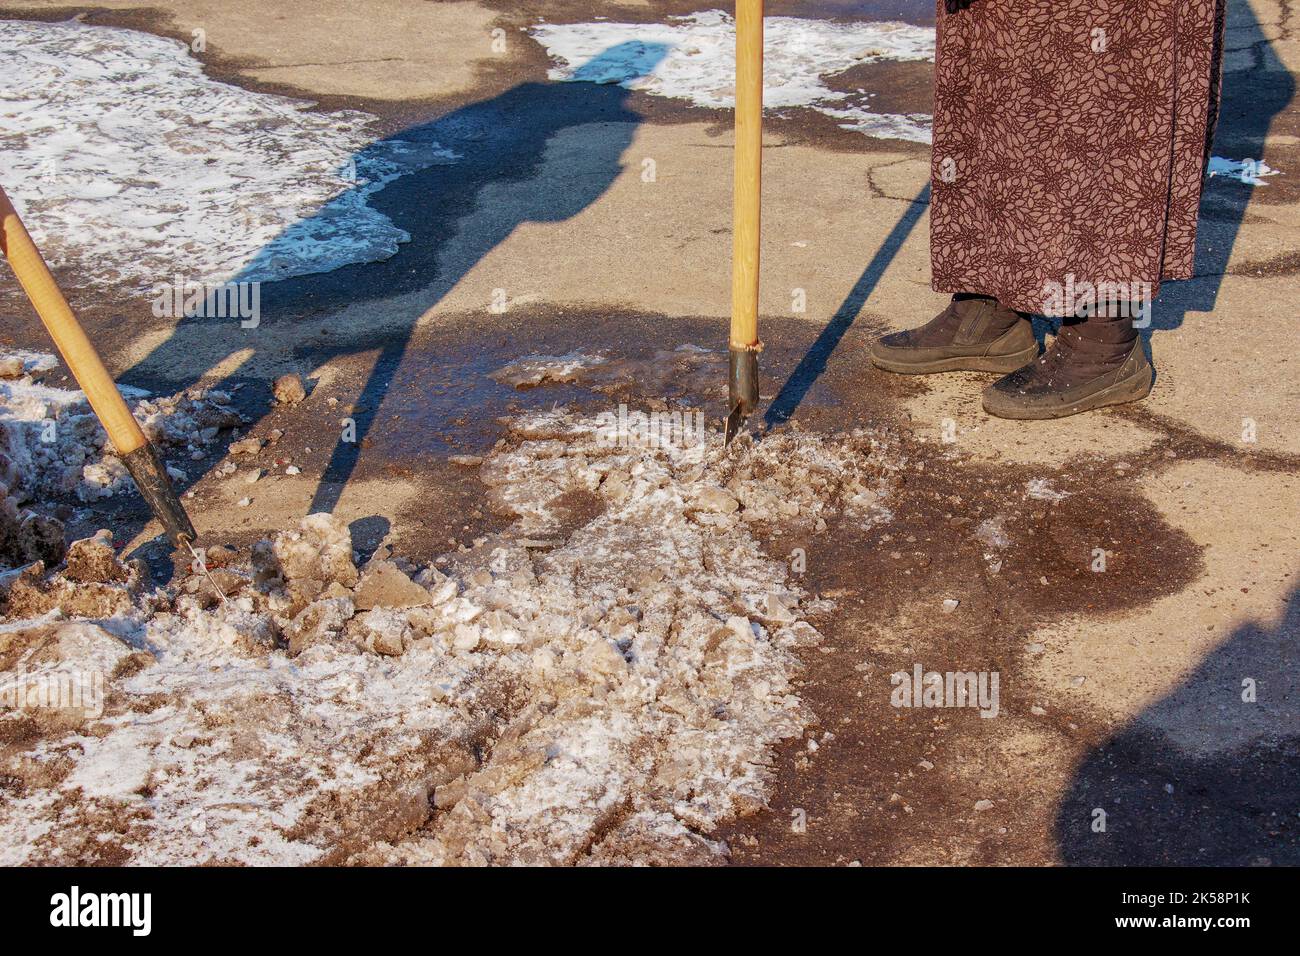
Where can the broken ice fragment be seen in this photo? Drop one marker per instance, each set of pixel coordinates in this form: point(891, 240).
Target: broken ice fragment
point(717, 500)
point(774, 610)
point(741, 627)
point(384, 585)
point(466, 637)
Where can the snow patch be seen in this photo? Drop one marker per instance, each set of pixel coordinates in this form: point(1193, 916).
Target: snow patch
point(126, 160)
point(1248, 171)
point(51, 442)
point(1041, 489)
point(693, 58)
point(533, 370)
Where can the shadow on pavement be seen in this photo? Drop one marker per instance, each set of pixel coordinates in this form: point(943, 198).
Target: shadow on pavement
point(1202, 776)
point(813, 364)
point(502, 143)
point(1249, 103)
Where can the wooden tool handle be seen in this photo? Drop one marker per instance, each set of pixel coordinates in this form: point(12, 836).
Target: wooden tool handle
point(70, 339)
point(748, 173)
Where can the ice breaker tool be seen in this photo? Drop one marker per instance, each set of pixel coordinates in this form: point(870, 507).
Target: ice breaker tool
point(139, 456)
point(742, 366)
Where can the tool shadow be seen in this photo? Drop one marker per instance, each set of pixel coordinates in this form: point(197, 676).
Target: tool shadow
point(813, 364)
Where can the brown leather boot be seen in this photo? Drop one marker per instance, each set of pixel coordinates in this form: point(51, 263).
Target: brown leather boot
point(1091, 364)
point(975, 333)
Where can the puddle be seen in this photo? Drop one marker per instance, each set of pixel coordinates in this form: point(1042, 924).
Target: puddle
point(448, 394)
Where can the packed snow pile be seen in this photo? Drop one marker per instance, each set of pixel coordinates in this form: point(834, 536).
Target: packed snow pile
point(571, 690)
point(126, 159)
point(51, 443)
point(694, 58)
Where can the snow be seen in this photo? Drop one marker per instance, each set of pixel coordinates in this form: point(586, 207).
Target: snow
point(1041, 489)
point(693, 58)
point(51, 442)
point(1248, 171)
point(533, 370)
point(613, 698)
point(125, 159)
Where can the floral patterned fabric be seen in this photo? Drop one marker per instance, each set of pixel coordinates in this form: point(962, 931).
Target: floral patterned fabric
point(1070, 141)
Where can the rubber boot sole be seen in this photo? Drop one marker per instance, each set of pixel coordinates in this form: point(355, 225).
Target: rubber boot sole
point(960, 363)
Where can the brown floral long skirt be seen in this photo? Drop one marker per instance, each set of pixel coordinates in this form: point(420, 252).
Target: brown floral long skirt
point(1070, 141)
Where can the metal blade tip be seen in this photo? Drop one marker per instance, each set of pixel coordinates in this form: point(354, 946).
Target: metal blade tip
point(735, 421)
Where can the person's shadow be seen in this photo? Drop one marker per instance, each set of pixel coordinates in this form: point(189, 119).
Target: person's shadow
point(502, 144)
point(1250, 100)
point(1207, 775)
